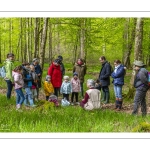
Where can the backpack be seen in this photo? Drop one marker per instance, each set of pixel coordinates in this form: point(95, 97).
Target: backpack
point(2, 72)
point(149, 79)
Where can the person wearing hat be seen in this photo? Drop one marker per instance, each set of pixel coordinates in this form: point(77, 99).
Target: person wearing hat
point(9, 66)
point(141, 85)
point(92, 97)
point(66, 88)
point(76, 88)
point(62, 67)
point(48, 87)
point(38, 71)
point(80, 68)
point(56, 76)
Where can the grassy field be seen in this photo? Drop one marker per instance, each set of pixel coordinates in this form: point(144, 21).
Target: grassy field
point(68, 119)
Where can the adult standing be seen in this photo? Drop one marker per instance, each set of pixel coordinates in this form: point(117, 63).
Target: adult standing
point(62, 67)
point(118, 81)
point(104, 77)
point(9, 66)
point(141, 85)
point(80, 68)
point(38, 71)
point(56, 76)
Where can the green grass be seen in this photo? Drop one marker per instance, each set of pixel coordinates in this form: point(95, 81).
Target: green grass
point(67, 119)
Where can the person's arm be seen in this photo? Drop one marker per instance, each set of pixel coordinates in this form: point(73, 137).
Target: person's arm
point(119, 73)
point(61, 88)
point(143, 77)
point(85, 100)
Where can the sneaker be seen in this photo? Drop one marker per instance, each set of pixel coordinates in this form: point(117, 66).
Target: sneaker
point(18, 106)
point(72, 104)
point(77, 103)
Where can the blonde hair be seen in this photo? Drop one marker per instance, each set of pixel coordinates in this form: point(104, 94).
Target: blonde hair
point(66, 77)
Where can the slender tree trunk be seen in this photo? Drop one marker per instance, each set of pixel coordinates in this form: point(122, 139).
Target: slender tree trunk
point(10, 35)
point(43, 42)
point(31, 40)
point(0, 44)
point(21, 44)
point(82, 37)
point(36, 38)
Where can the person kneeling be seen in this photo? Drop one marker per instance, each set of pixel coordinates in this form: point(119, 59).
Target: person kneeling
point(92, 97)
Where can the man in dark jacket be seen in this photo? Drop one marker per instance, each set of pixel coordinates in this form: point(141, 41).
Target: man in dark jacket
point(141, 85)
point(104, 78)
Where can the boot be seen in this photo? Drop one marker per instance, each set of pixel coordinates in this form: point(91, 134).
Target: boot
point(119, 104)
point(103, 96)
point(116, 104)
point(107, 97)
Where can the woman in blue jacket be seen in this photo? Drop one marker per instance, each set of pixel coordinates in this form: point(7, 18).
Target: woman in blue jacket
point(118, 81)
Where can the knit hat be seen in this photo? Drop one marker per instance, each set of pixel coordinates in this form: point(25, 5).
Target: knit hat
point(48, 76)
point(75, 74)
point(66, 77)
point(58, 61)
point(139, 63)
point(60, 57)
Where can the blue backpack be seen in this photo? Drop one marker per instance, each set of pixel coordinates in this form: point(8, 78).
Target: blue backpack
point(2, 72)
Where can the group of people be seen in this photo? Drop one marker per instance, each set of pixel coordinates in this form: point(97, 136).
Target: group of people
point(28, 76)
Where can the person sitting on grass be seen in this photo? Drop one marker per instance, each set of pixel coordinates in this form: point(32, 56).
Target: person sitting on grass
point(48, 87)
point(92, 97)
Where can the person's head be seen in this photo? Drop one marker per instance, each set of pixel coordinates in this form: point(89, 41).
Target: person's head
point(75, 75)
point(18, 69)
point(10, 56)
point(48, 78)
point(60, 58)
point(32, 68)
point(35, 61)
point(57, 62)
point(80, 61)
point(66, 78)
point(26, 65)
point(90, 83)
point(138, 65)
point(117, 62)
point(102, 59)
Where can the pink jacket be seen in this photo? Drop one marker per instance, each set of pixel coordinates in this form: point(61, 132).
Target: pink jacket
point(75, 85)
point(19, 79)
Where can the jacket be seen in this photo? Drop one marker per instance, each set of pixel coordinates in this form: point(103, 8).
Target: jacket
point(75, 85)
point(48, 88)
point(66, 88)
point(104, 75)
point(18, 80)
point(81, 70)
point(118, 75)
point(9, 67)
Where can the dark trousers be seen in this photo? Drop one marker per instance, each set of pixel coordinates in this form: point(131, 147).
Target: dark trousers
point(76, 96)
point(105, 90)
point(82, 91)
point(9, 88)
point(47, 98)
point(56, 91)
point(66, 96)
point(139, 100)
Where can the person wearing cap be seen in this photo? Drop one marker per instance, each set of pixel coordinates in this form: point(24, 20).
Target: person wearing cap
point(48, 87)
point(38, 71)
point(56, 76)
point(9, 66)
point(66, 88)
point(62, 67)
point(141, 85)
point(92, 97)
point(76, 88)
point(80, 68)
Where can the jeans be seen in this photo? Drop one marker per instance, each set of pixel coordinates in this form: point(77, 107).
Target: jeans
point(9, 88)
point(118, 91)
point(28, 96)
point(19, 96)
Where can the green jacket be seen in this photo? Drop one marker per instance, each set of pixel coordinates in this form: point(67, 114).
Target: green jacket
point(9, 66)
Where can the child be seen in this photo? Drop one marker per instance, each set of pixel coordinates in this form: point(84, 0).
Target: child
point(27, 85)
point(98, 85)
point(66, 88)
point(34, 83)
point(53, 98)
point(48, 87)
point(19, 83)
point(76, 88)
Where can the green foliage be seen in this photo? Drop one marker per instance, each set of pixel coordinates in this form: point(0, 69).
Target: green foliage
point(142, 127)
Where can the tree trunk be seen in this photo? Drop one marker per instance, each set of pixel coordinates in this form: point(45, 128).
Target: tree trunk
point(21, 44)
point(43, 42)
point(0, 44)
point(36, 38)
point(10, 35)
point(82, 37)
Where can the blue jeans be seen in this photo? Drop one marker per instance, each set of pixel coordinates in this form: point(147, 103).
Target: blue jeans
point(19, 96)
point(9, 88)
point(118, 91)
point(28, 96)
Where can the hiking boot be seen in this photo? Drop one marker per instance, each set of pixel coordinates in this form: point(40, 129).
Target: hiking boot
point(77, 103)
point(72, 104)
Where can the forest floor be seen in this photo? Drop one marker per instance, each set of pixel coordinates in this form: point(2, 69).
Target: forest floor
point(127, 107)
